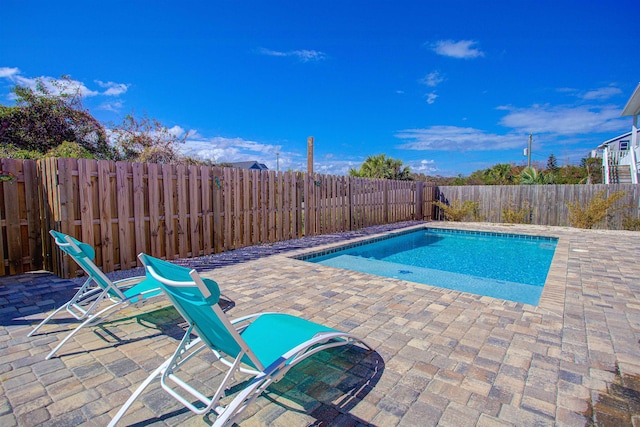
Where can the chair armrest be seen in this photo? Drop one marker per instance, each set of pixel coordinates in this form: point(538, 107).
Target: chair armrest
point(249, 317)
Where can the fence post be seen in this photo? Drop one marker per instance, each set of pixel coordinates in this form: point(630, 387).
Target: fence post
point(385, 201)
point(349, 208)
point(418, 200)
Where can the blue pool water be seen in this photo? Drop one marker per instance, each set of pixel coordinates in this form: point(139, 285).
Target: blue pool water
point(508, 266)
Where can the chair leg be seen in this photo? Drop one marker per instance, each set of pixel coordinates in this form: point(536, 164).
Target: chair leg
point(81, 295)
point(138, 392)
point(41, 324)
point(90, 320)
point(242, 400)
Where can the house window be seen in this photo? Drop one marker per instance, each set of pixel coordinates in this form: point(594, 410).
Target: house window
point(624, 145)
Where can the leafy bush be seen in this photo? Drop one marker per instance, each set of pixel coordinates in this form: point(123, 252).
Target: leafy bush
point(458, 211)
point(70, 150)
point(594, 211)
point(516, 215)
point(10, 151)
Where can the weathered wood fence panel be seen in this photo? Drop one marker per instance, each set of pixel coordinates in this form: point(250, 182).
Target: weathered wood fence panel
point(20, 228)
point(172, 211)
point(177, 211)
point(548, 203)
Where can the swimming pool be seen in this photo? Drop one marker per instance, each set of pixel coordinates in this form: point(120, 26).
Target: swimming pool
point(507, 266)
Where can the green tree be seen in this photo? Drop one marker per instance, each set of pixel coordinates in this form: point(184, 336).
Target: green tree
point(593, 170)
point(42, 120)
point(381, 166)
point(500, 174)
point(530, 176)
point(552, 163)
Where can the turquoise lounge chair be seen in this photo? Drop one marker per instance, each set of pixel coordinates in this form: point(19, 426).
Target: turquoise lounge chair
point(264, 346)
point(84, 305)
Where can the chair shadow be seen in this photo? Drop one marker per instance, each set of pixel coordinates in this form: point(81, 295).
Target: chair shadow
point(326, 387)
point(165, 320)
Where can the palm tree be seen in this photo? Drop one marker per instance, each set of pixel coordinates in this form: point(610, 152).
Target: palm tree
point(530, 176)
point(500, 174)
point(381, 166)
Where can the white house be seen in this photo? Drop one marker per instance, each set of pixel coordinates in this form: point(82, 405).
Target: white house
point(621, 155)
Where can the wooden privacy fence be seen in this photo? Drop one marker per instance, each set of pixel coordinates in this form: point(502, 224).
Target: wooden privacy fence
point(548, 203)
point(178, 211)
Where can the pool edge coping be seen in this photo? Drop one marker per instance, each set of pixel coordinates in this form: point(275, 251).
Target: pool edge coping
point(552, 299)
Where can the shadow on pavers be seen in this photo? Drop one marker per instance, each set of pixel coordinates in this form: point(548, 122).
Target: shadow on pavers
point(325, 387)
point(119, 331)
point(32, 293)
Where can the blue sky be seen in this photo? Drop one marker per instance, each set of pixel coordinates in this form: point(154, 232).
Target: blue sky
point(447, 87)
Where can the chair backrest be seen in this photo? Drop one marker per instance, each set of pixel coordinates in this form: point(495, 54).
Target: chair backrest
point(196, 299)
point(83, 254)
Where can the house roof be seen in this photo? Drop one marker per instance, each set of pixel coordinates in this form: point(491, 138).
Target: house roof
point(250, 165)
point(617, 138)
point(633, 104)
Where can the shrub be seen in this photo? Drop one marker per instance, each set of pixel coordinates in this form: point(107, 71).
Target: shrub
point(630, 223)
point(71, 150)
point(458, 211)
point(513, 215)
point(594, 211)
point(10, 151)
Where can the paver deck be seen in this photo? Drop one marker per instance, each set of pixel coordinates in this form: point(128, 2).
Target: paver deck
point(442, 357)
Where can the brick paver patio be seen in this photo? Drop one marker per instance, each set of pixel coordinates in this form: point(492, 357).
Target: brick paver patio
point(442, 357)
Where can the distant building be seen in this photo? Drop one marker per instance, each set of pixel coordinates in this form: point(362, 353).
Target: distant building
point(253, 165)
point(621, 155)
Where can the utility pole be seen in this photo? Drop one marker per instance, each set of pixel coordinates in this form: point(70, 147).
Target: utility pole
point(310, 155)
point(277, 162)
point(529, 151)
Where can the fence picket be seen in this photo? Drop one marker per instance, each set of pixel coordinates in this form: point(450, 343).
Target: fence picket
point(205, 187)
point(12, 217)
point(122, 203)
point(218, 224)
point(153, 179)
point(169, 189)
point(195, 210)
point(140, 191)
point(106, 232)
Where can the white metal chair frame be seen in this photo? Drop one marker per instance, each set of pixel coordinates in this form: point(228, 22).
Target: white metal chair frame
point(85, 302)
point(262, 376)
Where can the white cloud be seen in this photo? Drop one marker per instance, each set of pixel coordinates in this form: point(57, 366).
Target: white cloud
point(337, 166)
point(432, 79)
point(176, 131)
point(303, 55)
point(57, 86)
point(7, 72)
point(422, 166)
point(113, 89)
point(269, 52)
point(114, 107)
point(602, 93)
point(463, 49)
point(431, 97)
point(564, 120)
point(220, 149)
point(454, 138)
